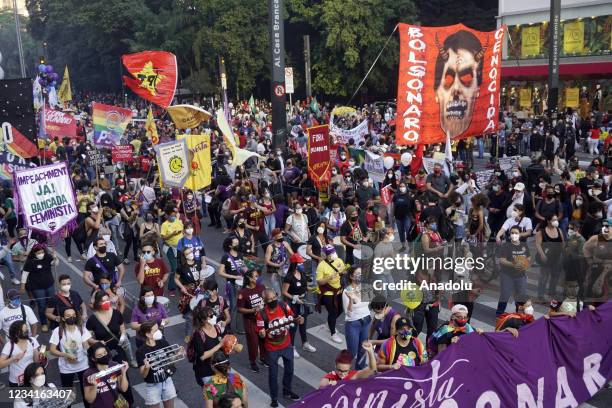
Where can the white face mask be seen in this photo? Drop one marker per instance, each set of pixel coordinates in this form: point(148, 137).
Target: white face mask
point(333, 256)
point(515, 237)
point(391, 238)
point(578, 203)
point(515, 214)
point(40, 256)
point(320, 230)
point(212, 321)
point(571, 232)
point(94, 209)
point(66, 288)
point(106, 237)
point(336, 209)
point(402, 189)
point(529, 310)
point(149, 300)
point(189, 256)
point(157, 335)
point(554, 223)
point(298, 210)
point(189, 231)
point(39, 380)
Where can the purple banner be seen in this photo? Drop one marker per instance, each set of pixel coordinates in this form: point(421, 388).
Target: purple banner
point(560, 362)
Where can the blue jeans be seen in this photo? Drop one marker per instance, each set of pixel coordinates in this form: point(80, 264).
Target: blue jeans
point(41, 296)
point(7, 258)
point(269, 224)
point(356, 332)
point(480, 148)
point(510, 285)
point(403, 226)
point(272, 357)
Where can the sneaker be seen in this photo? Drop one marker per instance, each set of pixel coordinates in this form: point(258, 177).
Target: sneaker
point(83, 257)
point(255, 368)
point(335, 338)
point(295, 353)
point(187, 339)
point(69, 259)
point(15, 281)
point(263, 363)
point(172, 293)
point(308, 347)
point(291, 395)
point(44, 328)
point(274, 403)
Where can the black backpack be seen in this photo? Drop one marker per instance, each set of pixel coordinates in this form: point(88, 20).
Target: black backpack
point(80, 233)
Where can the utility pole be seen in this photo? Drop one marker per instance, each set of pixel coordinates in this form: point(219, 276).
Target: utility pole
point(19, 43)
point(307, 66)
point(277, 83)
point(553, 56)
point(223, 77)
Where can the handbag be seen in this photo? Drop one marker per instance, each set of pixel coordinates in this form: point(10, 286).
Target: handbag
point(120, 401)
point(124, 345)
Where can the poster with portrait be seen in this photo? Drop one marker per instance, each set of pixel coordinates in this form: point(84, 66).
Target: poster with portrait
point(449, 83)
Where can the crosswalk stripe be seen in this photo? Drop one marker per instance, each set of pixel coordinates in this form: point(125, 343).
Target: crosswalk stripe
point(257, 396)
point(141, 389)
point(172, 321)
point(322, 333)
point(306, 371)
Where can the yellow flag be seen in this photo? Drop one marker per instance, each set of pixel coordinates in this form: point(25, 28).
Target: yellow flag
point(150, 128)
point(201, 166)
point(530, 41)
point(187, 116)
point(65, 92)
point(573, 37)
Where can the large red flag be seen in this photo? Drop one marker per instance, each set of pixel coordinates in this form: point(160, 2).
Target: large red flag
point(153, 75)
point(449, 83)
point(319, 168)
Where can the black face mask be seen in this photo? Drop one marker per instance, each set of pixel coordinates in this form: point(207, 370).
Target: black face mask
point(354, 217)
point(24, 335)
point(70, 320)
point(273, 303)
point(223, 369)
point(104, 360)
point(102, 249)
point(241, 225)
point(550, 195)
point(279, 240)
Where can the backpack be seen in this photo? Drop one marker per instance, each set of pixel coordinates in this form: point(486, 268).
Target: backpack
point(191, 354)
point(446, 229)
point(80, 233)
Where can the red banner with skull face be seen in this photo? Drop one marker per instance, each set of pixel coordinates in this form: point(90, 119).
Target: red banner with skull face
point(449, 83)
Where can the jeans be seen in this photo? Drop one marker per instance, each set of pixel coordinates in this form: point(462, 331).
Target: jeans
point(269, 224)
point(356, 332)
point(188, 323)
point(510, 286)
point(480, 148)
point(171, 254)
point(426, 313)
point(403, 226)
point(272, 357)
point(41, 296)
point(7, 258)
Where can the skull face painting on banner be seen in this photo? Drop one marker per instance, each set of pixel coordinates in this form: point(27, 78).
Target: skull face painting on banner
point(448, 83)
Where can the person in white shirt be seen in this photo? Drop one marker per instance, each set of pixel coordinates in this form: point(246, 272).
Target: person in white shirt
point(147, 195)
point(357, 317)
point(69, 342)
point(34, 376)
point(14, 311)
point(517, 218)
point(19, 351)
point(518, 197)
point(105, 233)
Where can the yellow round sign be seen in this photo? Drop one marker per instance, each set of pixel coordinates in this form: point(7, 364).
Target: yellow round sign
point(411, 298)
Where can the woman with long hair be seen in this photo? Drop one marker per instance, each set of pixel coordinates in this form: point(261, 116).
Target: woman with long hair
point(549, 241)
point(37, 279)
point(190, 279)
point(34, 377)
point(206, 340)
point(357, 317)
point(19, 351)
point(107, 390)
point(147, 309)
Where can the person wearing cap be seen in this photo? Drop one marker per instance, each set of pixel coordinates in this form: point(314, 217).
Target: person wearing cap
point(352, 233)
point(343, 371)
point(277, 259)
point(587, 183)
point(403, 349)
point(16, 310)
point(517, 218)
point(328, 281)
point(520, 196)
point(450, 332)
point(294, 291)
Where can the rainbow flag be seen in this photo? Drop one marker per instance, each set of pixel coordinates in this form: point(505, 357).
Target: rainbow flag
point(109, 124)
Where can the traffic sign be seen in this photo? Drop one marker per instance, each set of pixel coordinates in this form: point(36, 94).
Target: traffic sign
point(279, 90)
point(289, 80)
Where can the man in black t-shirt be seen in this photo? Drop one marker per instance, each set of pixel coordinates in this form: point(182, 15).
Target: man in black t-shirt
point(514, 261)
point(352, 233)
point(65, 299)
point(103, 263)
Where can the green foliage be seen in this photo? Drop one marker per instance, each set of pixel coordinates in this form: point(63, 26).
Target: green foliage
point(9, 49)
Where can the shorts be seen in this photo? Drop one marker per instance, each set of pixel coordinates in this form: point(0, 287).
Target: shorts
point(158, 392)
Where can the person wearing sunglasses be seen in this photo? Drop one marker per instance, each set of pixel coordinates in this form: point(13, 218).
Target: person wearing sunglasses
point(150, 270)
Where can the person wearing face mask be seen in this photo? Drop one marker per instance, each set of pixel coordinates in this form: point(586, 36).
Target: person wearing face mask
point(277, 342)
point(343, 371)
point(171, 234)
point(246, 242)
point(592, 223)
point(294, 290)
point(451, 332)
point(517, 218)
point(191, 240)
point(129, 216)
point(219, 305)
point(191, 209)
point(107, 390)
point(334, 220)
point(268, 208)
point(20, 350)
point(352, 233)
point(16, 310)
point(69, 342)
point(149, 229)
point(573, 260)
point(296, 227)
point(223, 382)
point(598, 255)
point(366, 193)
point(438, 183)
point(357, 316)
point(386, 248)
point(403, 212)
point(512, 322)
point(66, 298)
point(103, 263)
point(147, 309)
point(37, 279)
point(231, 268)
point(328, 277)
point(206, 340)
point(515, 258)
point(578, 208)
point(336, 175)
point(159, 385)
point(250, 301)
point(403, 349)
point(549, 242)
point(548, 206)
point(35, 377)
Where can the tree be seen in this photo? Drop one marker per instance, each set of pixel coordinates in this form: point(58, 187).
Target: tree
point(9, 49)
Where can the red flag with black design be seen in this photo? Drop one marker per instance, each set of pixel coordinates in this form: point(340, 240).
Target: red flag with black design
point(153, 75)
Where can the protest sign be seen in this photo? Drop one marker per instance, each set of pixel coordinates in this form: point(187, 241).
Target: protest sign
point(122, 153)
point(494, 370)
point(9, 163)
point(96, 157)
point(508, 163)
point(343, 136)
point(483, 177)
point(59, 124)
point(374, 166)
point(199, 166)
point(109, 123)
point(319, 168)
point(173, 162)
point(429, 163)
point(46, 197)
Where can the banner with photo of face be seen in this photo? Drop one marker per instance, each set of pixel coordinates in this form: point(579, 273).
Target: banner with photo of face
point(449, 83)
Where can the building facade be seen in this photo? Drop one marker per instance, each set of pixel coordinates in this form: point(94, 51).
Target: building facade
point(585, 54)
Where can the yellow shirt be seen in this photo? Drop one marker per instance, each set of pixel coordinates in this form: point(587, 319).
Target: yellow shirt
point(324, 271)
point(87, 198)
point(169, 227)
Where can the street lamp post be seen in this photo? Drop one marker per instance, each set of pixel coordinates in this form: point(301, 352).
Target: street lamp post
point(19, 44)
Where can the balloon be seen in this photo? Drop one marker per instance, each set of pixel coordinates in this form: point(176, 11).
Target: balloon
point(49, 69)
point(406, 158)
point(388, 162)
point(41, 68)
point(55, 76)
point(53, 84)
